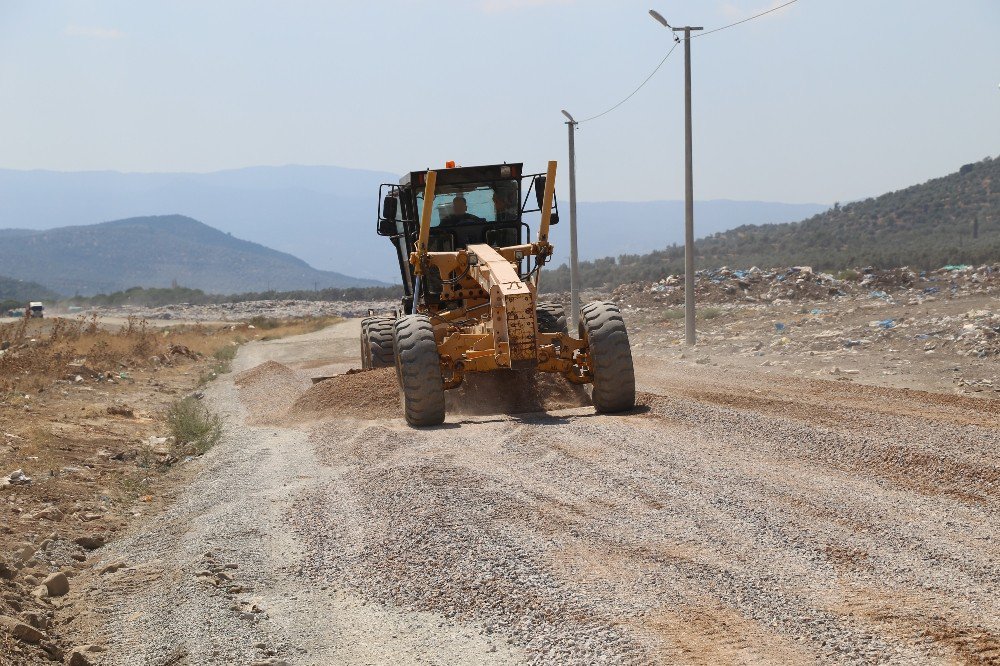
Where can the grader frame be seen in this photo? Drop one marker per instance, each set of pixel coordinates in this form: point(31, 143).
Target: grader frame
point(485, 317)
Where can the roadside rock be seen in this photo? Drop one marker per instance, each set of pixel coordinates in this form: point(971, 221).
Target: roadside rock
point(57, 584)
point(16, 478)
point(20, 630)
point(48, 513)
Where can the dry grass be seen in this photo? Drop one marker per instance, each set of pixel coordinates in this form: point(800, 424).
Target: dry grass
point(35, 352)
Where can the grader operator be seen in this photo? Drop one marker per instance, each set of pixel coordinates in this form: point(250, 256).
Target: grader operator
point(470, 274)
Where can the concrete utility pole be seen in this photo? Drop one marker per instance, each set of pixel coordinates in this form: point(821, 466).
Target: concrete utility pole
point(689, 333)
point(574, 264)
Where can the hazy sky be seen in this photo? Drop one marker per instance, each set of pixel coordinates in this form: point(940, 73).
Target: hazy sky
point(825, 100)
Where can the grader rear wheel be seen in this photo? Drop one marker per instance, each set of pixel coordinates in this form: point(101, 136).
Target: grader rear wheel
point(551, 318)
point(418, 368)
point(365, 354)
point(377, 342)
point(610, 357)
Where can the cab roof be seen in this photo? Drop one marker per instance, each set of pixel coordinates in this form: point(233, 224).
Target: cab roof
point(470, 174)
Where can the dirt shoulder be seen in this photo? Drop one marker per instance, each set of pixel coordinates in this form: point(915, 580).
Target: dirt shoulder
point(86, 450)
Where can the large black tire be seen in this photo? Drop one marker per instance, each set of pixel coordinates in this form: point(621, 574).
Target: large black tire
point(551, 318)
point(418, 368)
point(365, 354)
point(379, 342)
point(610, 357)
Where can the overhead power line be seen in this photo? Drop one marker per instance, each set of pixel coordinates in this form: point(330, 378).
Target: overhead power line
point(632, 94)
point(750, 18)
point(676, 42)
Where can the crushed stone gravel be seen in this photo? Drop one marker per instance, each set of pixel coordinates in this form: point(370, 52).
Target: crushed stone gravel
point(731, 518)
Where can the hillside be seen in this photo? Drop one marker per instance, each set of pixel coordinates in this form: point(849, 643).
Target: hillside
point(948, 220)
point(326, 215)
point(155, 252)
point(19, 292)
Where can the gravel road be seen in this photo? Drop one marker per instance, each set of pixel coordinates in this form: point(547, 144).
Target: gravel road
point(734, 517)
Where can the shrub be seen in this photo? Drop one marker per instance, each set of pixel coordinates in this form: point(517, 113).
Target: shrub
point(191, 423)
point(710, 313)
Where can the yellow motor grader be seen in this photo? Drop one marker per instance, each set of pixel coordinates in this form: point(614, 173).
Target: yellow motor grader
point(470, 275)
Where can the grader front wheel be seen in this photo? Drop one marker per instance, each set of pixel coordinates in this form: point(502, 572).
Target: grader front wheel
point(610, 357)
point(418, 368)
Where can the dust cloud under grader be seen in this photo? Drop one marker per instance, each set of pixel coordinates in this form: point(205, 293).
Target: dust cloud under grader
point(470, 275)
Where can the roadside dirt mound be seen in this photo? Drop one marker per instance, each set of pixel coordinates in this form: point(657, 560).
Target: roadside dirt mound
point(264, 371)
point(514, 392)
point(361, 395)
point(374, 394)
point(268, 390)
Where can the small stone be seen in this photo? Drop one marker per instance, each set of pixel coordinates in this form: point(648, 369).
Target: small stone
point(54, 651)
point(78, 658)
point(90, 542)
point(37, 620)
point(57, 584)
point(111, 568)
point(24, 553)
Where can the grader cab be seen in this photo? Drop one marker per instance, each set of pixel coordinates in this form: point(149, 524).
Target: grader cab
point(470, 275)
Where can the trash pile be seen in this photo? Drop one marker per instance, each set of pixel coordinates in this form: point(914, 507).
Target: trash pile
point(802, 283)
point(975, 334)
point(278, 309)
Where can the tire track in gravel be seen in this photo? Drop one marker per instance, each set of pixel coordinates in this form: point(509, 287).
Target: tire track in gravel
point(700, 529)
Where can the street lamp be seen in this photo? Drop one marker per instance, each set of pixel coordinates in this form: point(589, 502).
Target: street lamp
point(689, 334)
point(574, 265)
point(659, 17)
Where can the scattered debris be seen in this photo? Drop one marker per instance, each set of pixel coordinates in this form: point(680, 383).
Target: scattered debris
point(16, 478)
point(725, 285)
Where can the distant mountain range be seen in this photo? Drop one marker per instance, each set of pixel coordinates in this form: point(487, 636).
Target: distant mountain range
point(155, 252)
point(954, 219)
point(326, 215)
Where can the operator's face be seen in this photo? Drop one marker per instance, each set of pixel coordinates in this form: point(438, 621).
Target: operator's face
point(460, 206)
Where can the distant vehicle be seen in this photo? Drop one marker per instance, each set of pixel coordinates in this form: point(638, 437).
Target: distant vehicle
point(36, 309)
